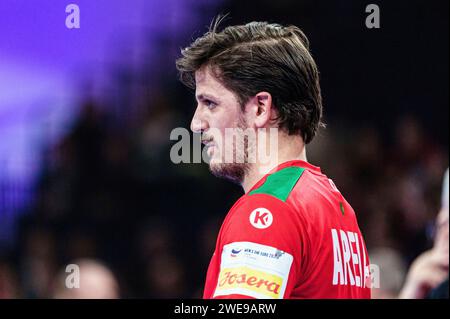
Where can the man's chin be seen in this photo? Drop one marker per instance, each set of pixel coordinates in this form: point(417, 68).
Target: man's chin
point(230, 171)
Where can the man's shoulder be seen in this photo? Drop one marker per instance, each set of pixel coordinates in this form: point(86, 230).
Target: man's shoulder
point(295, 192)
point(264, 219)
point(260, 206)
point(250, 202)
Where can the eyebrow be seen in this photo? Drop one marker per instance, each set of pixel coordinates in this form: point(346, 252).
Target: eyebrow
point(204, 96)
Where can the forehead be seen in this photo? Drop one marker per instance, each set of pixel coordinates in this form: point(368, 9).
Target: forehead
point(206, 83)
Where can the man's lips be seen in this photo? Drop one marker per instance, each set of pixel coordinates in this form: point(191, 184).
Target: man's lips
point(209, 145)
point(208, 142)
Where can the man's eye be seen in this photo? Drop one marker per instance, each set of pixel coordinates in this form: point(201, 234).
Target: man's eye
point(210, 104)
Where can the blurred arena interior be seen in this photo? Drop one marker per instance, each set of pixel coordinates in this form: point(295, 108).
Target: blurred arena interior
point(85, 119)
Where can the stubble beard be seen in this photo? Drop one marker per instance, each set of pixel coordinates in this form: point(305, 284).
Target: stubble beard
point(237, 170)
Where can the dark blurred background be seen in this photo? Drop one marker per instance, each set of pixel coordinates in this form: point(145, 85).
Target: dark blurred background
point(86, 114)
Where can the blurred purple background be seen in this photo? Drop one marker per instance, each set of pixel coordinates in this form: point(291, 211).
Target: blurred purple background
point(46, 69)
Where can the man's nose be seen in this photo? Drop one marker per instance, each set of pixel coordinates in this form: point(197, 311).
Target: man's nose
point(198, 123)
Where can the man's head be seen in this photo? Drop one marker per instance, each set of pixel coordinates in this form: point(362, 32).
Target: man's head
point(251, 76)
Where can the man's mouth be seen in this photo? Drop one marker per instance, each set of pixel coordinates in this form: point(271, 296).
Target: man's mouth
point(209, 145)
point(208, 142)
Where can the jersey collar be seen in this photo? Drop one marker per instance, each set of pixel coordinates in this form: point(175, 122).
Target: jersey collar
point(298, 163)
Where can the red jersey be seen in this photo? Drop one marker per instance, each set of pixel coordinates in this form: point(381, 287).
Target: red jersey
point(293, 235)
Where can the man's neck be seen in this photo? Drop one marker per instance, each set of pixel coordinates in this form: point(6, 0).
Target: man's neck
point(289, 150)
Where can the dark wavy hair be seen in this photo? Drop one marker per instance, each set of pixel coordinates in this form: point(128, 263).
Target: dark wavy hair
point(256, 57)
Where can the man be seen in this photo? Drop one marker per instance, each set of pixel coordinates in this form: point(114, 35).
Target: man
point(292, 235)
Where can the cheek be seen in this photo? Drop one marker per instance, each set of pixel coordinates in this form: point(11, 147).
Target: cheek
point(223, 120)
point(229, 118)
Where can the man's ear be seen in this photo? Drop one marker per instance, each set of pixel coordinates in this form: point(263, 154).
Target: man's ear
point(263, 109)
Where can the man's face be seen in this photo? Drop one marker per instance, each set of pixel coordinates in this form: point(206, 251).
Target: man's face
point(218, 109)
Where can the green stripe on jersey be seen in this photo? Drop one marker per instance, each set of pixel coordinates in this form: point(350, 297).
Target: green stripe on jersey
point(281, 183)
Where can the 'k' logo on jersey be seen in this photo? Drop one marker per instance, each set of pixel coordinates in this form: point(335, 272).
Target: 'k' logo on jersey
point(261, 218)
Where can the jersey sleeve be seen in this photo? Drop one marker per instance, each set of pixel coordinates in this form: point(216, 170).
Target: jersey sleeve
point(261, 246)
